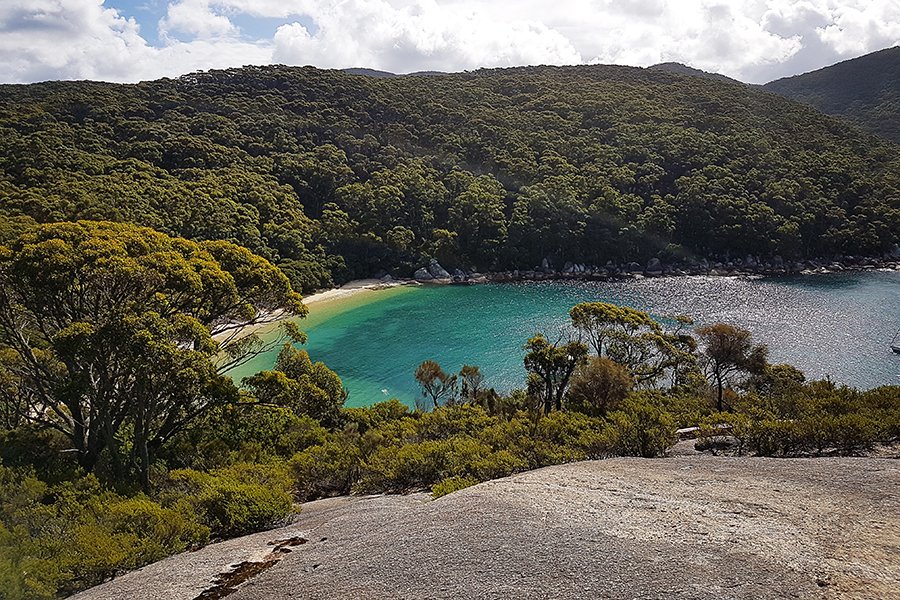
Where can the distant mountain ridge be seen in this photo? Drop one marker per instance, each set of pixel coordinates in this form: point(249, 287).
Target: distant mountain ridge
point(389, 75)
point(864, 91)
point(682, 69)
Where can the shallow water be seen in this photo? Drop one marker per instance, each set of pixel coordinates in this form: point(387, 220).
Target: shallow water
point(836, 325)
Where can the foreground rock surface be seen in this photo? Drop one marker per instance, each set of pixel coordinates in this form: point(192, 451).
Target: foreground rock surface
point(684, 527)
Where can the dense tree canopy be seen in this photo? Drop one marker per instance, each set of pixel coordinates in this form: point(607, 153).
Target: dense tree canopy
point(332, 175)
point(864, 91)
point(106, 328)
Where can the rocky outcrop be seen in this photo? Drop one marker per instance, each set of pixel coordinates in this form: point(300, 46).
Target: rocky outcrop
point(423, 275)
point(436, 270)
point(618, 528)
point(656, 267)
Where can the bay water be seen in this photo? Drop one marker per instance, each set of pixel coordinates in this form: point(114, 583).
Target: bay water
point(829, 325)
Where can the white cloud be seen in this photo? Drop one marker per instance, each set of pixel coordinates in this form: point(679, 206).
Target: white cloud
point(83, 39)
point(857, 28)
point(196, 19)
point(753, 40)
point(418, 36)
point(64, 39)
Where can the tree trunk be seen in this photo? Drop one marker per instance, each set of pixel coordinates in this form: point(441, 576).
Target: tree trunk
point(140, 446)
point(720, 386)
point(144, 465)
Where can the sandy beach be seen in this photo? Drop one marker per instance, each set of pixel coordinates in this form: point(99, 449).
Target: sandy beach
point(352, 288)
point(268, 321)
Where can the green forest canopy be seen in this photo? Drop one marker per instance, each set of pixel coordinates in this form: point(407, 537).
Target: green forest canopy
point(864, 91)
point(333, 175)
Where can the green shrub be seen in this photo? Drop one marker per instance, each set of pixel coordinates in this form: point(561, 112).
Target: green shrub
point(41, 449)
point(450, 485)
point(24, 573)
point(57, 540)
point(328, 469)
point(378, 414)
point(158, 531)
point(227, 503)
point(688, 410)
point(773, 437)
point(402, 468)
point(532, 443)
point(244, 433)
point(419, 465)
point(640, 428)
point(449, 421)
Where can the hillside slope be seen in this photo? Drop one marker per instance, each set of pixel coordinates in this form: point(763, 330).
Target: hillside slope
point(691, 528)
point(680, 68)
point(334, 175)
point(864, 91)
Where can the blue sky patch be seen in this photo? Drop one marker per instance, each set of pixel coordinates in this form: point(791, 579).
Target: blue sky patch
point(148, 13)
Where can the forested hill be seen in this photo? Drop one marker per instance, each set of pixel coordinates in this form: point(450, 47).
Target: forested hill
point(334, 175)
point(864, 91)
point(674, 67)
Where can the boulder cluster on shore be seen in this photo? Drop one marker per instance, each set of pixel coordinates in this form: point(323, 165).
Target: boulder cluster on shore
point(751, 265)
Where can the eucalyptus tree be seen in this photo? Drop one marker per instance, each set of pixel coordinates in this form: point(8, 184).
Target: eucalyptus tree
point(436, 384)
point(727, 352)
point(550, 366)
point(472, 383)
point(305, 387)
point(107, 331)
point(598, 386)
point(635, 340)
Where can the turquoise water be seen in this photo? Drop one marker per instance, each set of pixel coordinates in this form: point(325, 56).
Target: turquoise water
point(836, 325)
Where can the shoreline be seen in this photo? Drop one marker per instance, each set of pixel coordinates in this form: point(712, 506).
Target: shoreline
point(605, 275)
point(352, 288)
point(360, 286)
point(624, 273)
point(752, 266)
point(271, 320)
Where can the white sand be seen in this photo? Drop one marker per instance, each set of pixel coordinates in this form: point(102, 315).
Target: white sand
point(350, 289)
point(271, 320)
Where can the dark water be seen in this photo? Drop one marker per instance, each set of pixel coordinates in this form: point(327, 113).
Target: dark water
point(838, 325)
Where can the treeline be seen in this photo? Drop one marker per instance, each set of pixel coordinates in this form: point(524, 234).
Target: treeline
point(864, 91)
point(332, 175)
point(123, 440)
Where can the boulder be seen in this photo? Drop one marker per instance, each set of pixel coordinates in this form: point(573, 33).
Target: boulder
point(654, 267)
point(422, 275)
point(545, 264)
point(437, 271)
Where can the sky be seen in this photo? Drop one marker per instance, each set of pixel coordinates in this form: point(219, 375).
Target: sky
point(132, 40)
